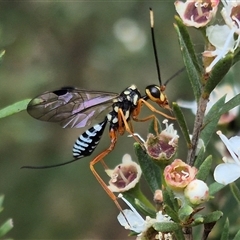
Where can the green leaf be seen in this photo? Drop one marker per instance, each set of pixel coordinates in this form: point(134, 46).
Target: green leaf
point(212, 217)
point(151, 171)
point(6, 227)
point(237, 236)
point(14, 108)
point(165, 226)
point(2, 53)
point(213, 116)
point(225, 230)
point(215, 187)
point(189, 57)
point(236, 56)
point(169, 199)
point(134, 194)
point(235, 191)
point(184, 213)
point(169, 211)
point(145, 209)
point(179, 234)
point(200, 158)
point(182, 122)
point(230, 104)
point(217, 73)
point(211, 121)
point(1, 202)
point(204, 170)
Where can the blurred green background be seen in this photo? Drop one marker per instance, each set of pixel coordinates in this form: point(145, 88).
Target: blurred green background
point(93, 45)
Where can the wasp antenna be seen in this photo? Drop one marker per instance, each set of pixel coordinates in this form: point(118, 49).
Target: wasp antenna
point(174, 75)
point(154, 45)
point(50, 166)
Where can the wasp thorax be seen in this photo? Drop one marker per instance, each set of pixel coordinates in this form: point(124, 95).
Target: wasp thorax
point(156, 94)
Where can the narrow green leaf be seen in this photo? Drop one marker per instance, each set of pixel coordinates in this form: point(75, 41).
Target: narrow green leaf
point(204, 170)
point(1, 201)
point(135, 193)
point(165, 226)
point(200, 158)
point(171, 213)
point(151, 171)
point(2, 53)
point(169, 199)
point(215, 187)
point(235, 191)
point(225, 230)
point(179, 234)
point(211, 121)
point(184, 213)
point(181, 121)
point(14, 108)
point(212, 217)
point(217, 74)
point(237, 236)
point(6, 227)
point(213, 116)
point(189, 57)
point(145, 209)
point(230, 104)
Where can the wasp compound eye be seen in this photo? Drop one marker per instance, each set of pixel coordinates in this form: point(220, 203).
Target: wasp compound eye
point(153, 92)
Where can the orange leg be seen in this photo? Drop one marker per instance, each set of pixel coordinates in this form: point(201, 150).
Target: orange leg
point(136, 112)
point(153, 109)
point(99, 158)
point(128, 126)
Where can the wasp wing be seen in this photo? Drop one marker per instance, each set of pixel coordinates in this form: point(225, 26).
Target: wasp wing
point(70, 107)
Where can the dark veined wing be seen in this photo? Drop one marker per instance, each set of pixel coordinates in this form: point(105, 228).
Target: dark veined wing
point(70, 107)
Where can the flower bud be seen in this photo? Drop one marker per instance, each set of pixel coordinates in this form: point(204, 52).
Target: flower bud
point(196, 192)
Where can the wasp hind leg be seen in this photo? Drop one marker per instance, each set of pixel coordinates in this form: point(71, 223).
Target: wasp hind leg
point(99, 158)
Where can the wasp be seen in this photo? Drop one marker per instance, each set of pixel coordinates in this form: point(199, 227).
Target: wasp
point(76, 108)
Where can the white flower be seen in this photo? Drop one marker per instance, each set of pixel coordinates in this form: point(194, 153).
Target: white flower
point(229, 171)
point(230, 13)
point(124, 176)
point(136, 223)
point(197, 13)
point(222, 38)
point(170, 132)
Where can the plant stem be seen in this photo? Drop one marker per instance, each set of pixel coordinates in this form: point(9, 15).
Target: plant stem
point(197, 129)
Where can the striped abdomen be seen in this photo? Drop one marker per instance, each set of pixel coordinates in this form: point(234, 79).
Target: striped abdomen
point(88, 141)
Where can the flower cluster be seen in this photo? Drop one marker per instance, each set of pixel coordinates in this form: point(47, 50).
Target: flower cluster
point(179, 186)
point(181, 178)
point(198, 13)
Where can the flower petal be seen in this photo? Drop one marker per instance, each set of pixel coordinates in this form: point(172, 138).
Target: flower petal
point(226, 173)
point(229, 146)
point(136, 223)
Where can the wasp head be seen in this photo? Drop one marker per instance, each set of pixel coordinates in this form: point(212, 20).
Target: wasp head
point(156, 94)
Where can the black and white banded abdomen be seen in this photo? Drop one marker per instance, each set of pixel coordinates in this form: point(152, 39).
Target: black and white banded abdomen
point(88, 141)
